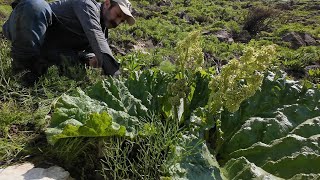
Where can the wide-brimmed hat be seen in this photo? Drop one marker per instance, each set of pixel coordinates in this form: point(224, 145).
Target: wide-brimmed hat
point(125, 7)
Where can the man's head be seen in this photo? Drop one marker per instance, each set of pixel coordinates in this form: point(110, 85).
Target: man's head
point(115, 12)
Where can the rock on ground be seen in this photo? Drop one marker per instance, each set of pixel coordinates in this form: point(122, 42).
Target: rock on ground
point(27, 171)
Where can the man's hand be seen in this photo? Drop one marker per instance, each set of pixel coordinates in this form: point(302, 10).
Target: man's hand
point(109, 65)
point(93, 62)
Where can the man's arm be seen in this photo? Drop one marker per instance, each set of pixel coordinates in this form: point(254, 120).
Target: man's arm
point(88, 15)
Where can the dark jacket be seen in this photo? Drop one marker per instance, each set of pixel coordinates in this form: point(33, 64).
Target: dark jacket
point(77, 25)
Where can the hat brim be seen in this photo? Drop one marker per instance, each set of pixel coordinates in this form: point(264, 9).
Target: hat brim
point(130, 19)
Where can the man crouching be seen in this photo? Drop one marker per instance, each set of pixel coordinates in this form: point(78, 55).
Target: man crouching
point(43, 33)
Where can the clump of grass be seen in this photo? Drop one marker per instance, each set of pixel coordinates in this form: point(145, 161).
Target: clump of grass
point(13, 147)
point(77, 155)
point(5, 64)
point(297, 27)
point(93, 75)
point(11, 114)
point(297, 60)
point(17, 128)
point(143, 157)
point(314, 75)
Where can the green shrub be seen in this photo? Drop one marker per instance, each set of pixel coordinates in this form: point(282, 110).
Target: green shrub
point(300, 58)
point(297, 27)
point(258, 19)
point(314, 75)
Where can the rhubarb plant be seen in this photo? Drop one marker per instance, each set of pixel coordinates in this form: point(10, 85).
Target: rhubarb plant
point(242, 114)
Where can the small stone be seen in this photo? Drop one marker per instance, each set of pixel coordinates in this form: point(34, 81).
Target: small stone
point(27, 171)
point(224, 36)
point(295, 39)
point(309, 40)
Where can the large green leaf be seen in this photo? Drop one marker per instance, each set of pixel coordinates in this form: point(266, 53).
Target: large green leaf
point(151, 87)
point(277, 131)
point(80, 115)
point(241, 168)
point(118, 97)
point(196, 162)
point(97, 125)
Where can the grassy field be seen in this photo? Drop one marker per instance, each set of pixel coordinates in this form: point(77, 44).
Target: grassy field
point(226, 29)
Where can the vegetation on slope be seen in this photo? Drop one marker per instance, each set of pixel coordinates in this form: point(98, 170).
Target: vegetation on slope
point(159, 110)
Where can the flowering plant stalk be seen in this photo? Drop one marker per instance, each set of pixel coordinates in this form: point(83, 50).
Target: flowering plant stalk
point(189, 60)
point(238, 81)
